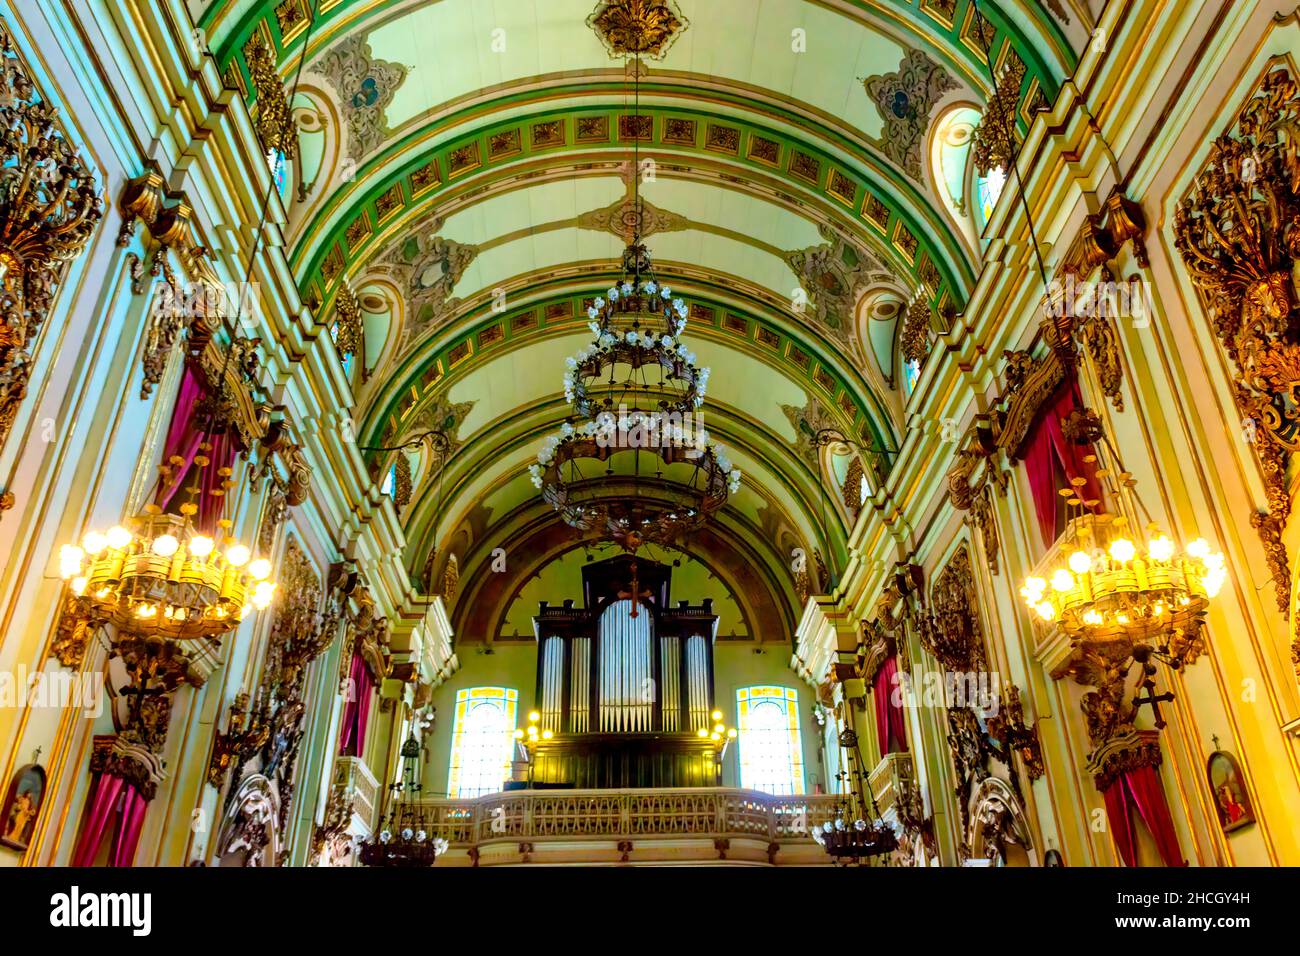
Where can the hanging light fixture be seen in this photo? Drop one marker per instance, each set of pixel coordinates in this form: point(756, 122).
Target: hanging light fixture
point(633, 463)
point(405, 838)
point(1118, 576)
point(853, 836)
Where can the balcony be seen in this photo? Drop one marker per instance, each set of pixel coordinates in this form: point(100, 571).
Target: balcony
point(359, 791)
point(668, 826)
point(889, 780)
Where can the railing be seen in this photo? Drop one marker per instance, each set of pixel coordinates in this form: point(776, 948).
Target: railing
point(548, 815)
point(358, 785)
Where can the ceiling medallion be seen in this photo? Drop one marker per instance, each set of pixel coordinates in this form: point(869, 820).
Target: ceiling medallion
point(644, 28)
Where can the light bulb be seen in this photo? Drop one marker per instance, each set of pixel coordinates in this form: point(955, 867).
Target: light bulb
point(701, 732)
point(165, 545)
point(262, 594)
point(1046, 611)
point(1122, 550)
point(1092, 617)
point(519, 734)
point(237, 555)
point(718, 728)
point(1212, 583)
point(79, 586)
point(260, 569)
point(715, 736)
point(1062, 580)
point(1034, 588)
point(1121, 618)
point(94, 542)
point(1080, 563)
point(201, 545)
point(1200, 548)
point(1160, 549)
point(70, 561)
point(118, 537)
point(716, 715)
point(731, 733)
point(547, 734)
point(534, 716)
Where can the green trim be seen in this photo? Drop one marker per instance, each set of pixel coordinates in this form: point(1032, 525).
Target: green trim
point(460, 355)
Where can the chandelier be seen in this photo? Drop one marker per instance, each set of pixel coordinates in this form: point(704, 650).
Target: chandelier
point(404, 838)
point(852, 836)
point(157, 575)
point(634, 394)
point(1119, 580)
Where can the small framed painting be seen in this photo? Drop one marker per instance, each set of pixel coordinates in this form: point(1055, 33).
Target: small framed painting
point(22, 804)
point(1228, 785)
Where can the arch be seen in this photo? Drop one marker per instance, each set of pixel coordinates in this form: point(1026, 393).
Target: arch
point(999, 829)
point(249, 834)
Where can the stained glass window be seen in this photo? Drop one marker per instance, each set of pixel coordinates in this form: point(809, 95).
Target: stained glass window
point(390, 481)
point(771, 758)
point(482, 740)
point(990, 188)
point(864, 490)
point(911, 372)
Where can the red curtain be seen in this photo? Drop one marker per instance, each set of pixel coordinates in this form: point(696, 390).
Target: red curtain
point(890, 730)
point(118, 808)
point(1046, 448)
point(356, 709)
point(1139, 791)
point(184, 436)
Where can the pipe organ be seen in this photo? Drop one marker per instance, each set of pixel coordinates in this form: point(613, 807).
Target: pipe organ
point(625, 683)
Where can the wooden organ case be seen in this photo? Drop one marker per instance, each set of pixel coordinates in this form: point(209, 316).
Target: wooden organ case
point(625, 683)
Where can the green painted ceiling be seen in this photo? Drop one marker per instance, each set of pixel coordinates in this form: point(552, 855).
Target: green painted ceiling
point(463, 163)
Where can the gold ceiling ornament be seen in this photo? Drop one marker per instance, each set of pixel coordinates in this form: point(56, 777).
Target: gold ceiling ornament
point(915, 339)
point(641, 28)
point(1238, 233)
point(49, 208)
point(994, 140)
point(274, 123)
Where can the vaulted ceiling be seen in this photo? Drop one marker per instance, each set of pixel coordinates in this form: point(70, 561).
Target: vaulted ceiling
point(466, 170)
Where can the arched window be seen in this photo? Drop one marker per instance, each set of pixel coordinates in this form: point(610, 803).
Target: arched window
point(771, 758)
point(482, 739)
point(987, 190)
point(390, 481)
point(911, 372)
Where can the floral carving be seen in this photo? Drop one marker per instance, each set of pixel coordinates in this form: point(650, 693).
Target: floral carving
point(994, 141)
point(1238, 233)
point(365, 87)
point(274, 123)
point(49, 208)
point(637, 27)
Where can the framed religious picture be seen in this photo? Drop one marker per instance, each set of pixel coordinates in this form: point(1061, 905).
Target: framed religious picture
point(22, 804)
point(1053, 858)
point(1228, 784)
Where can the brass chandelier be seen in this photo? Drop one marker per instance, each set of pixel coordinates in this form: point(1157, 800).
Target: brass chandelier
point(159, 576)
point(404, 838)
point(1116, 579)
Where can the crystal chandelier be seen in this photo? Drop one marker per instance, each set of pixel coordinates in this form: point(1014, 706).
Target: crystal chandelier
point(1117, 579)
point(159, 576)
point(404, 839)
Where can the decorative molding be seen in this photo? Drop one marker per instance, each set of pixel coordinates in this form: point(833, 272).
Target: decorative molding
point(274, 122)
point(952, 632)
point(350, 335)
point(905, 99)
point(1236, 234)
point(365, 87)
point(640, 28)
point(994, 140)
point(50, 206)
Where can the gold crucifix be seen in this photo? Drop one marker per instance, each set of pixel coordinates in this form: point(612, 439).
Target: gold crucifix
point(634, 593)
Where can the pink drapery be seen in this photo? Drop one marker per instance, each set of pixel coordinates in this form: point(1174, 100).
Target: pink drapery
point(115, 806)
point(890, 730)
point(1047, 446)
point(1139, 791)
point(356, 709)
point(184, 436)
